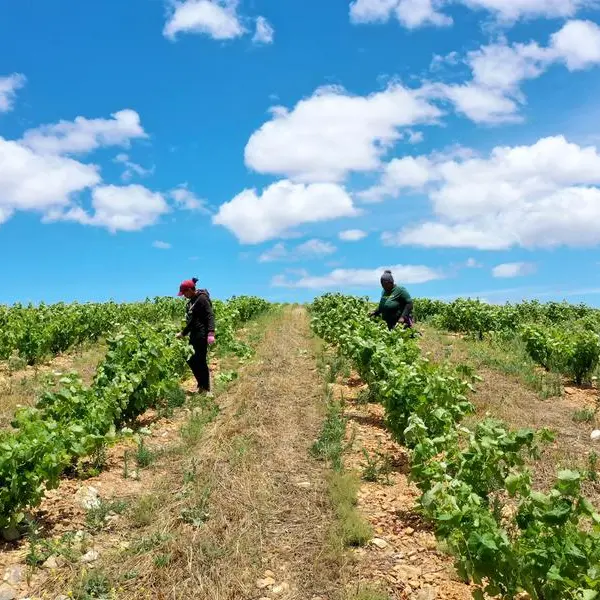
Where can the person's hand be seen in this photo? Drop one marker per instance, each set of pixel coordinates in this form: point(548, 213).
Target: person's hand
point(179, 335)
point(211, 338)
point(401, 320)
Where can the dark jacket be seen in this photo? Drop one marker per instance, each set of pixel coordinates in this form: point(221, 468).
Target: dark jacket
point(199, 316)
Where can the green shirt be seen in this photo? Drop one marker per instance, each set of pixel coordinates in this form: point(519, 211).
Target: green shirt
point(392, 305)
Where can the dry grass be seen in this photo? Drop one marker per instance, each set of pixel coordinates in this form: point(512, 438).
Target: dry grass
point(242, 496)
point(22, 387)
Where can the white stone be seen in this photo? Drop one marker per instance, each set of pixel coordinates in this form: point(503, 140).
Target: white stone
point(13, 574)
point(7, 592)
point(90, 556)
point(88, 497)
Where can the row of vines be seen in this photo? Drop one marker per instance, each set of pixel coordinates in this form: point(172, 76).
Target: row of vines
point(560, 337)
point(142, 369)
point(476, 489)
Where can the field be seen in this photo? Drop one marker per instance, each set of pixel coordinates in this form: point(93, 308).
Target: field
point(336, 460)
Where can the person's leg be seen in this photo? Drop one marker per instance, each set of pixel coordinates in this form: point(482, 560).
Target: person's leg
point(202, 372)
point(193, 363)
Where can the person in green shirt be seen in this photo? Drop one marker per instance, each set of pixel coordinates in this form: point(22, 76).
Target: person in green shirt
point(395, 305)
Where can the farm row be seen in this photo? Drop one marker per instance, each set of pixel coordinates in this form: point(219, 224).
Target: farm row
point(475, 488)
point(142, 369)
point(560, 337)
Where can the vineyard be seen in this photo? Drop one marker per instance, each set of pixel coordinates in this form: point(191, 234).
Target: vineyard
point(559, 337)
point(472, 475)
point(142, 369)
point(476, 490)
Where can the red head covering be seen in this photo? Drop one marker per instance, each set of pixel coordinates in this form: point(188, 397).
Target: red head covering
point(188, 284)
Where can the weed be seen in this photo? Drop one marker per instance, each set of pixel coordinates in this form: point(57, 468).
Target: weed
point(585, 415)
point(143, 512)
point(592, 470)
point(94, 585)
point(40, 549)
point(329, 445)
point(144, 457)
point(162, 560)
point(377, 467)
point(202, 415)
point(147, 544)
point(197, 514)
point(95, 518)
point(350, 528)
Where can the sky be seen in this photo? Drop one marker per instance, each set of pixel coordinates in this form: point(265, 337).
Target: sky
point(284, 149)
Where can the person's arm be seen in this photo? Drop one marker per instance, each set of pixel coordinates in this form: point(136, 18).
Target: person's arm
point(403, 298)
point(407, 310)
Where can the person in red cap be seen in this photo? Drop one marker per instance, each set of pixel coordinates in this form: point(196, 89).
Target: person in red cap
point(200, 326)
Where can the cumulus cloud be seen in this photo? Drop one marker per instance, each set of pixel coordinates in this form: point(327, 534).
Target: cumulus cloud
point(264, 32)
point(161, 245)
point(255, 217)
point(217, 19)
point(120, 208)
point(410, 13)
point(352, 235)
point(310, 249)
point(33, 182)
point(332, 133)
point(9, 86)
point(419, 13)
point(84, 135)
point(360, 278)
point(494, 95)
point(539, 196)
point(515, 269)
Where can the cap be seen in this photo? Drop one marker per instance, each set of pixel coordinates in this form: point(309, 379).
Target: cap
point(188, 284)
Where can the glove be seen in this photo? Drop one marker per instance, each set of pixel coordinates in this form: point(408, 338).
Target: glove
point(211, 338)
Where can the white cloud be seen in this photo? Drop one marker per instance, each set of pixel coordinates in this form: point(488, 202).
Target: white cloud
point(410, 13)
point(8, 90)
point(264, 32)
point(398, 175)
point(516, 269)
point(216, 18)
point(332, 133)
point(131, 168)
point(255, 218)
point(352, 235)
point(29, 181)
point(493, 95)
point(419, 13)
point(120, 208)
point(310, 249)
point(161, 245)
point(84, 135)
point(539, 196)
point(187, 200)
point(577, 44)
point(346, 278)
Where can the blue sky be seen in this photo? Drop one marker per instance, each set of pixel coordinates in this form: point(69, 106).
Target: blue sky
point(289, 148)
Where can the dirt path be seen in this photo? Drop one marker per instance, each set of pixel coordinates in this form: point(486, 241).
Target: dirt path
point(505, 397)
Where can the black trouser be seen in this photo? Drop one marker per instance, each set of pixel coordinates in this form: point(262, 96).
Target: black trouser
point(198, 362)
